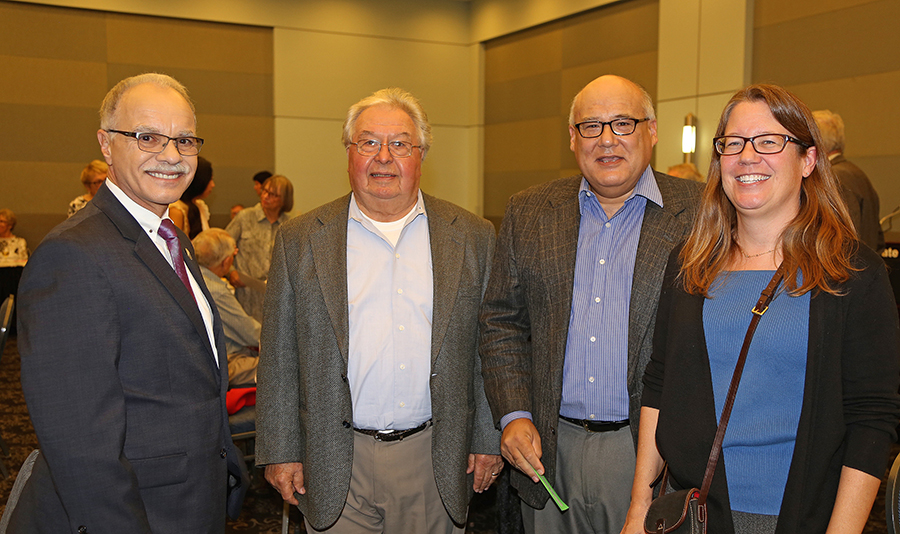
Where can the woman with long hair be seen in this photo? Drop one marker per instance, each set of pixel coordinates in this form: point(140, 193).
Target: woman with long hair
point(817, 406)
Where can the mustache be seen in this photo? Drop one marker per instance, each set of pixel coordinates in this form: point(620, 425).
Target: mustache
point(178, 167)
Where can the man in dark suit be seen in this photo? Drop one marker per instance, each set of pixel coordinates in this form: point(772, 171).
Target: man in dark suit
point(859, 194)
point(371, 410)
point(569, 311)
point(123, 358)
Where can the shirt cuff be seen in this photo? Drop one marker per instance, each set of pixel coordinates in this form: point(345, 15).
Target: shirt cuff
point(508, 418)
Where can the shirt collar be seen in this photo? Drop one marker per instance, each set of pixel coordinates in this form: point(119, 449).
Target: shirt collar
point(356, 214)
point(146, 218)
point(645, 187)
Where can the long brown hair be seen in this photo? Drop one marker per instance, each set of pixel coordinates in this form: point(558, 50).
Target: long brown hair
point(818, 242)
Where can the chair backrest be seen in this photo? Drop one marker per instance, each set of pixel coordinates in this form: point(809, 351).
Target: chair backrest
point(892, 499)
point(6, 314)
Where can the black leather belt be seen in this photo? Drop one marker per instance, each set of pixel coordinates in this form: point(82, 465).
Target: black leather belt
point(597, 426)
point(393, 435)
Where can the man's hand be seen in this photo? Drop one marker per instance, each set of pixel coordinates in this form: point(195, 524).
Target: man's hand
point(286, 478)
point(486, 468)
point(235, 279)
point(521, 446)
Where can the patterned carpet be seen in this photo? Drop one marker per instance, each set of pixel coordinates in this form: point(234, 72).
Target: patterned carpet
point(490, 513)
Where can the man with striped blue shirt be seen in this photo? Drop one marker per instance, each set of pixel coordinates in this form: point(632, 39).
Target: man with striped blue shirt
point(569, 311)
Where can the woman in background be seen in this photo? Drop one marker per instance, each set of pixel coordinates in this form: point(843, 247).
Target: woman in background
point(190, 212)
point(254, 231)
point(817, 407)
point(92, 178)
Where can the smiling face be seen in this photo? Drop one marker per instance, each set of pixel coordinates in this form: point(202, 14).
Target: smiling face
point(765, 186)
point(385, 187)
point(612, 164)
point(152, 180)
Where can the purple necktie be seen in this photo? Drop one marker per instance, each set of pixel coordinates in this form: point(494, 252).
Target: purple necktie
point(167, 231)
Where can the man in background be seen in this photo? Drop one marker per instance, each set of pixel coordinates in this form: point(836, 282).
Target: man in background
point(569, 312)
point(123, 358)
point(860, 196)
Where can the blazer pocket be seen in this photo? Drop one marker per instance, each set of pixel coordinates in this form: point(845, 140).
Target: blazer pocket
point(161, 470)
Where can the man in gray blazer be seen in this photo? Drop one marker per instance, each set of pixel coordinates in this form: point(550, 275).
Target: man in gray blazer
point(859, 194)
point(569, 311)
point(123, 357)
point(371, 409)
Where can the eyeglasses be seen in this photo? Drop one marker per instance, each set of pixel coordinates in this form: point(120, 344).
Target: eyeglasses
point(591, 129)
point(398, 149)
point(730, 145)
point(271, 193)
point(155, 143)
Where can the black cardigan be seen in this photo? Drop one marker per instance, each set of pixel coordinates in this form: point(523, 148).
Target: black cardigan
point(850, 402)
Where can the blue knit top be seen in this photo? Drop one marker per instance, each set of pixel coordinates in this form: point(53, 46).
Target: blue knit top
point(759, 440)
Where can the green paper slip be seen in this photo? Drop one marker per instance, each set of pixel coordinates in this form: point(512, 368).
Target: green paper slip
point(559, 502)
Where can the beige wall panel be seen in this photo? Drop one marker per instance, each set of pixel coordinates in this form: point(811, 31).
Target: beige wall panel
point(882, 172)
point(44, 133)
point(42, 187)
point(451, 169)
point(52, 82)
point(188, 44)
point(534, 97)
point(512, 58)
point(238, 141)
point(671, 114)
point(522, 146)
point(619, 30)
point(677, 68)
point(709, 110)
point(869, 107)
point(640, 68)
point(310, 154)
point(320, 75)
point(506, 184)
point(848, 42)
point(767, 12)
point(723, 46)
point(495, 18)
point(44, 32)
point(434, 20)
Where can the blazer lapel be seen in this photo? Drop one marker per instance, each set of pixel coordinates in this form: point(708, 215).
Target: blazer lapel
point(447, 253)
point(558, 237)
point(329, 252)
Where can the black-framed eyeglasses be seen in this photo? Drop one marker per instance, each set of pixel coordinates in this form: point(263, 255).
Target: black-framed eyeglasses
point(623, 126)
point(730, 145)
point(398, 149)
point(155, 143)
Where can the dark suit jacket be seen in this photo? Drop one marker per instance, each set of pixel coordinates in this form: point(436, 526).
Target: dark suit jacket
point(525, 315)
point(850, 402)
point(304, 411)
point(118, 373)
point(859, 191)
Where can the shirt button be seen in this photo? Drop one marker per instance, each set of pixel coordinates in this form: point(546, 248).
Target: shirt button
point(596, 299)
point(401, 327)
point(402, 404)
point(593, 339)
point(591, 416)
point(397, 256)
point(587, 193)
point(402, 366)
point(591, 380)
point(400, 291)
point(608, 225)
point(602, 262)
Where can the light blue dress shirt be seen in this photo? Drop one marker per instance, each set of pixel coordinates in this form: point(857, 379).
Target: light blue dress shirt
point(390, 295)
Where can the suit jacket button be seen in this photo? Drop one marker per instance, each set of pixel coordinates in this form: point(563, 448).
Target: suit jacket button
point(222, 453)
point(346, 424)
point(82, 530)
point(344, 378)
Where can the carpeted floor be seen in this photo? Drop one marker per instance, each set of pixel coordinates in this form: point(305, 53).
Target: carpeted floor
point(263, 507)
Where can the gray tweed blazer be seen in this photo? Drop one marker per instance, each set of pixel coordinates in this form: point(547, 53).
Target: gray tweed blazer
point(304, 411)
point(525, 314)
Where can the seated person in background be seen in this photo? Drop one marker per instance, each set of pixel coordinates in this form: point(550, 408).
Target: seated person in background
point(215, 250)
point(236, 209)
point(190, 212)
point(92, 178)
point(688, 171)
point(13, 250)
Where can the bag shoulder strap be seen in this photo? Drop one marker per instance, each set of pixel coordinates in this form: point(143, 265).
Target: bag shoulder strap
point(758, 310)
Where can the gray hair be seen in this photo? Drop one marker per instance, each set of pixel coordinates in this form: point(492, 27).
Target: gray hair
point(213, 246)
point(831, 126)
point(646, 103)
point(395, 98)
point(114, 96)
point(10, 218)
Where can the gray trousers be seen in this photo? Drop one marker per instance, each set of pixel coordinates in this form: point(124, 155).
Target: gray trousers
point(392, 490)
point(594, 471)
